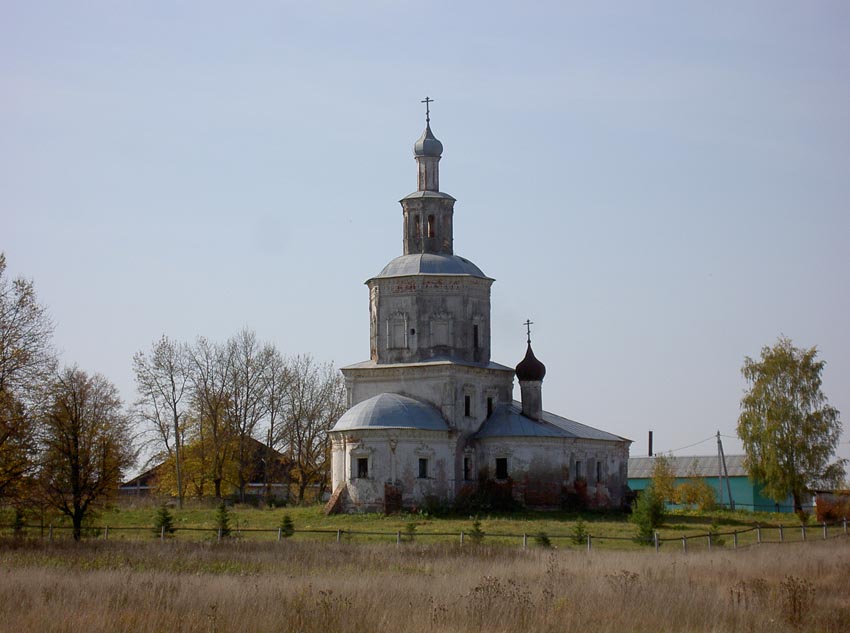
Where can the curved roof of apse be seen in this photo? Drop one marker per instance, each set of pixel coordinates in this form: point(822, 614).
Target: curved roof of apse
point(391, 411)
point(430, 264)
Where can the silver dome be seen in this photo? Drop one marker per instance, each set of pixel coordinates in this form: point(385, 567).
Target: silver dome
point(430, 264)
point(391, 411)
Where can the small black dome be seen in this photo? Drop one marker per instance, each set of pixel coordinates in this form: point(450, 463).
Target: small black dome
point(530, 368)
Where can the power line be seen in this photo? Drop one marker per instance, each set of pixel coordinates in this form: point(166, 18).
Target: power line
point(708, 439)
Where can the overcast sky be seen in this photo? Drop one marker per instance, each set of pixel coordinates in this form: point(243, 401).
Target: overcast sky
point(663, 188)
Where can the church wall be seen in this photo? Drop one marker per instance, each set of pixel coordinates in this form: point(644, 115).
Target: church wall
point(416, 318)
point(445, 386)
point(393, 457)
point(541, 469)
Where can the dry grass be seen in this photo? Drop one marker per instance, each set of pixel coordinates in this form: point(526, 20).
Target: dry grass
point(320, 587)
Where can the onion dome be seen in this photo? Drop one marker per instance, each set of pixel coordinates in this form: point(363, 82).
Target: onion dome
point(428, 145)
point(530, 368)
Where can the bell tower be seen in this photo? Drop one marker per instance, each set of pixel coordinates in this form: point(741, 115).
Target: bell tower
point(427, 211)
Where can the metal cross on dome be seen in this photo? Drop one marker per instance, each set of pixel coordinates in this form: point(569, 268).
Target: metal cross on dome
point(528, 323)
point(427, 101)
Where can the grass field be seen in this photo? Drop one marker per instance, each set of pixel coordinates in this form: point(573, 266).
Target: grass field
point(609, 530)
point(310, 586)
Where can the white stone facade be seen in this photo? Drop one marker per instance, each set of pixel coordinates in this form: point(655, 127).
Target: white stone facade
point(431, 415)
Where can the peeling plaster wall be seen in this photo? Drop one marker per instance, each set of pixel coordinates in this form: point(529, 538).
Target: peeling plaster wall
point(541, 468)
point(442, 385)
point(393, 458)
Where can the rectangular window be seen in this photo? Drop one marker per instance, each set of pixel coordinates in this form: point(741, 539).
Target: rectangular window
point(467, 468)
point(467, 406)
point(501, 468)
point(578, 469)
point(362, 467)
point(474, 337)
point(489, 407)
point(423, 468)
point(598, 471)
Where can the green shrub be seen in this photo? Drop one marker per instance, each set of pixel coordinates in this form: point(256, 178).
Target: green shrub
point(579, 533)
point(18, 523)
point(163, 521)
point(287, 527)
point(222, 520)
point(714, 533)
point(476, 534)
point(648, 513)
point(409, 531)
point(541, 539)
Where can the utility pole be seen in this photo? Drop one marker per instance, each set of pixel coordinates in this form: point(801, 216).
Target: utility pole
point(725, 472)
point(719, 470)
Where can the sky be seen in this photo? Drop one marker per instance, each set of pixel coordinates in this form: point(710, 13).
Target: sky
point(661, 187)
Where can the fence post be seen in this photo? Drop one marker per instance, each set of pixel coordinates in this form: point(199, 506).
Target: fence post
point(845, 526)
point(803, 526)
point(758, 534)
point(51, 533)
point(781, 535)
point(398, 538)
point(106, 533)
point(735, 538)
point(162, 534)
point(824, 530)
point(279, 533)
point(461, 537)
point(685, 544)
point(709, 541)
point(589, 542)
point(524, 540)
point(338, 535)
point(655, 539)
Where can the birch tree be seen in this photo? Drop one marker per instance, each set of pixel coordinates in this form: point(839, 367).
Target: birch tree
point(789, 430)
point(162, 382)
point(315, 401)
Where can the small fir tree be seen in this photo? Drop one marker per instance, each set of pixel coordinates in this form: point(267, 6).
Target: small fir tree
point(476, 534)
point(163, 521)
point(541, 539)
point(222, 520)
point(18, 523)
point(579, 533)
point(287, 527)
point(409, 531)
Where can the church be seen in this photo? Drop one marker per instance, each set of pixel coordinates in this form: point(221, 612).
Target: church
point(431, 416)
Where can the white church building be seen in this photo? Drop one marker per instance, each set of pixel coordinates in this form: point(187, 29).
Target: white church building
point(431, 416)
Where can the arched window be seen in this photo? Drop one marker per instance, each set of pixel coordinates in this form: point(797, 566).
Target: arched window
point(431, 226)
point(417, 232)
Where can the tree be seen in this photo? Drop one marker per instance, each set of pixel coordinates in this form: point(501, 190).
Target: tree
point(663, 478)
point(27, 362)
point(86, 444)
point(211, 370)
point(162, 381)
point(315, 400)
point(276, 385)
point(246, 401)
point(789, 430)
point(648, 512)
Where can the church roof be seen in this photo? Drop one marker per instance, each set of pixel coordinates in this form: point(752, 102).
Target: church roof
point(508, 421)
point(431, 362)
point(430, 264)
point(391, 411)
